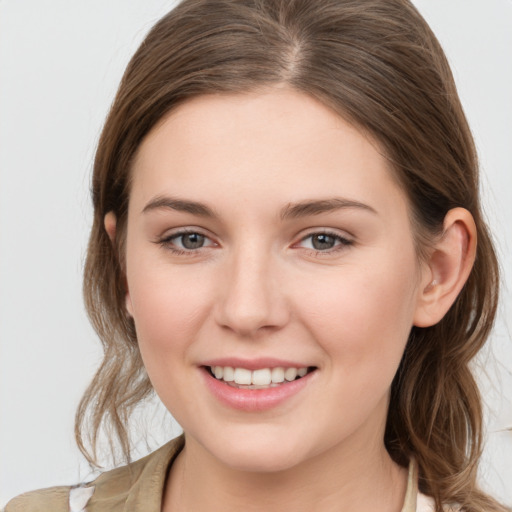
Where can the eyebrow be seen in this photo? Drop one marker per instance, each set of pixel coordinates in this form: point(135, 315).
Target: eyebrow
point(290, 211)
point(180, 205)
point(316, 207)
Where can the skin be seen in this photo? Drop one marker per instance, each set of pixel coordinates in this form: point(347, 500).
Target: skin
point(258, 288)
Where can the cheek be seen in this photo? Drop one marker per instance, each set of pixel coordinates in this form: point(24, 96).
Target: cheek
point(362, 317)
point(168, 306)
point(168, 314)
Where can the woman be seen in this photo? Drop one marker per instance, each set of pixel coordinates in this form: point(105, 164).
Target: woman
point(288, 247)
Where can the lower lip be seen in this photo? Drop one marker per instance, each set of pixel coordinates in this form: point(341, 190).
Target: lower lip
point(254, 400)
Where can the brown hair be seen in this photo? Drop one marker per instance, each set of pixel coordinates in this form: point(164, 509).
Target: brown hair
point(378, 64)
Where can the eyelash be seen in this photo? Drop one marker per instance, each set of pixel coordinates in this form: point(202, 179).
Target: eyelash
point(341, 242)
point(167, 242)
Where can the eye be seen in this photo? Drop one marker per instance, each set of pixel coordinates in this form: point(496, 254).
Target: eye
point(186, 241)
point(189, 241)
point(324, 241)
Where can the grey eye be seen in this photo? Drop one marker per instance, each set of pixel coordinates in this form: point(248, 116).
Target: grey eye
point(322, 241)
point(191, 240)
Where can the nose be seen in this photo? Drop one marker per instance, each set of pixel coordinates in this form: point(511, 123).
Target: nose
point(251, 298)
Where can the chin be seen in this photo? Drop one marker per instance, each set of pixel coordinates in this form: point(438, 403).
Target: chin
point(258, 454)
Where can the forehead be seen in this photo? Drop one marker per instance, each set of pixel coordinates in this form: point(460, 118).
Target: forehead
point(274, 145)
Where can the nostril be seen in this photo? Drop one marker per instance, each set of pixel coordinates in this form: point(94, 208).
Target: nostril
point(249, 301)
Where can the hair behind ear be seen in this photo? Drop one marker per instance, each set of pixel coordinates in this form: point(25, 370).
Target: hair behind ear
point(435, 409)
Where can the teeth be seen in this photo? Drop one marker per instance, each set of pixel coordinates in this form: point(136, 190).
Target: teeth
point(257, 379)
point(262, 377)
point(243, 376)
point(290, 374)
point(229, 374)
point(278, 375)
point(302, 371)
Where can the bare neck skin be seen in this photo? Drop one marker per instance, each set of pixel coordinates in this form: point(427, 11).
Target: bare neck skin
point(355, 476)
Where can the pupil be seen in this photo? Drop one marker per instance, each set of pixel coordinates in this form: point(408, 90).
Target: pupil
point(193, 241)
point(321, 242)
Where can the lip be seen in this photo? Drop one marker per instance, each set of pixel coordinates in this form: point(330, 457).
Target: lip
point(253, 400)
point(254, 364)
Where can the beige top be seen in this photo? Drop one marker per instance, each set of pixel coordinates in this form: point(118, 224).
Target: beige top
point(140, 485)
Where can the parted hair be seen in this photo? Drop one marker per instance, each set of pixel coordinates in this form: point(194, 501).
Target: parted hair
point(379, 66)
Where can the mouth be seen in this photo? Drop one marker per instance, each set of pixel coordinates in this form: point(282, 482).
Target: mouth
point(261, 378)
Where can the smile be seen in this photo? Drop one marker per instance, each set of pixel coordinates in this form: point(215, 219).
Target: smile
point(262, 378)
point(259, 388)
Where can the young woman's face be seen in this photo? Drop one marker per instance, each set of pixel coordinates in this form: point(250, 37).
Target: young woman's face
point(267, 236)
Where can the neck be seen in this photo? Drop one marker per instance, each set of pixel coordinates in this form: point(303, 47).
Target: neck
point(353, 477)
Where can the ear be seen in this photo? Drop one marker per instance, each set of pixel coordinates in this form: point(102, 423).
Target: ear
point(110, 223)
point(447, 269)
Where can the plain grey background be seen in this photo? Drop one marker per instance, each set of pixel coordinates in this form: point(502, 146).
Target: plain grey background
point(60, 63)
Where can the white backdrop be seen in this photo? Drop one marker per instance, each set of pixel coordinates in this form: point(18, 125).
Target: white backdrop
point(60, 63)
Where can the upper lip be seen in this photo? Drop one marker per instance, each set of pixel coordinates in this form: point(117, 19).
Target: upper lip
point(254, 364)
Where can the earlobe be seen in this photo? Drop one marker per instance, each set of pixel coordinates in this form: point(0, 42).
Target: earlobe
point(128, 303)
point(447, 269)
point(110, 223)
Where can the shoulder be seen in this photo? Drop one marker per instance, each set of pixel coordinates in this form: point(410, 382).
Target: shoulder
point(110, 491)
point(53, 499)
point(425, 503)
point(139, 481)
